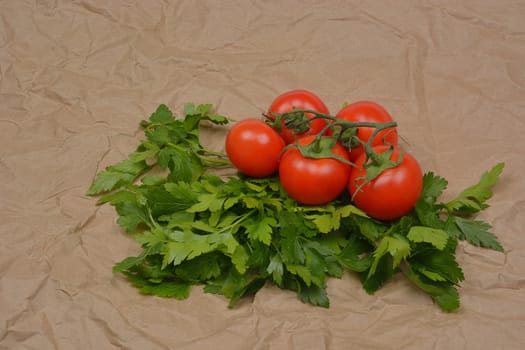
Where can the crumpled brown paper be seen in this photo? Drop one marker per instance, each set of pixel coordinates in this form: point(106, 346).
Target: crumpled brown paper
point(76, 77)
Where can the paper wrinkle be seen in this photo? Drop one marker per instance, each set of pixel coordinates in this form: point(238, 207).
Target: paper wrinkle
point(76, 78)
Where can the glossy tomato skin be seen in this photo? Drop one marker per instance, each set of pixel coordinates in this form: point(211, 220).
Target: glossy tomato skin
point(254, 148)
point(302, 99)
point(393, 193)
point(313, 181)
point(368, 111)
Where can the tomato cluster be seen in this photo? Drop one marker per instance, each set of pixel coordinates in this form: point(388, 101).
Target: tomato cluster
point(260, 148)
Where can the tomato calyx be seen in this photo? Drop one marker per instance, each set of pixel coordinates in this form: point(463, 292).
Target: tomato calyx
point(349, 137)
point(276, 122)
point(320, 147)
point(295, 120)
point(375, 164)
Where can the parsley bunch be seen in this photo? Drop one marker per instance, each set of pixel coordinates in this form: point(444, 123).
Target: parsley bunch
point(233, 235)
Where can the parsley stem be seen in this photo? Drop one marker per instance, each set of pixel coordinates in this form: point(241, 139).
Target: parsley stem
point(213, 162)
point(237, 221)
point(215, 153)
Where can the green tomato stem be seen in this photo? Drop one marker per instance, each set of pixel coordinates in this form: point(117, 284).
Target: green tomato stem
point(334, 122)
point(344, 123)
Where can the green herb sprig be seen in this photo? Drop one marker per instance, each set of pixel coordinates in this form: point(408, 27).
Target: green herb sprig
point(233, 235)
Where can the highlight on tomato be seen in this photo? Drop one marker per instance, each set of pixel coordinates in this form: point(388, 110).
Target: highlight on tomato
point(394, 192)
point(254, 147)
point(314, 181)
point(300, 99)
point(368, 111)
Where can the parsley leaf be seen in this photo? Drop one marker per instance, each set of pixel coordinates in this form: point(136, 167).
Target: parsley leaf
point(433, 187)
point(438, 262)
point(314, 295)
point(177, 290)
point(234, 285)
point(473, 199)
point(477, 233)
point(368, 228)
point(383, 271)
point(120, 174)
point(196, 114)
point(438, 238)
point(132, 214)
point(261, 229)
point(162, 115)
point(291, 249)
point(328, 218)
point(276, 269)
point(443, 293)
point(202, 268)
point(355, 255)
point(396, 245)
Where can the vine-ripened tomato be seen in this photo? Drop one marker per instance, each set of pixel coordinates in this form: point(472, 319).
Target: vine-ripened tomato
point(393, 193)
point(254, 147)
point(313, 181)
point(368, 111)
point(301, 99)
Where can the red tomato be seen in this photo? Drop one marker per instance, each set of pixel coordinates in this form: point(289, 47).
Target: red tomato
point(367, 111)
point(393, 193)
point(254, 147)
point(313, 181)
point(301, 99)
